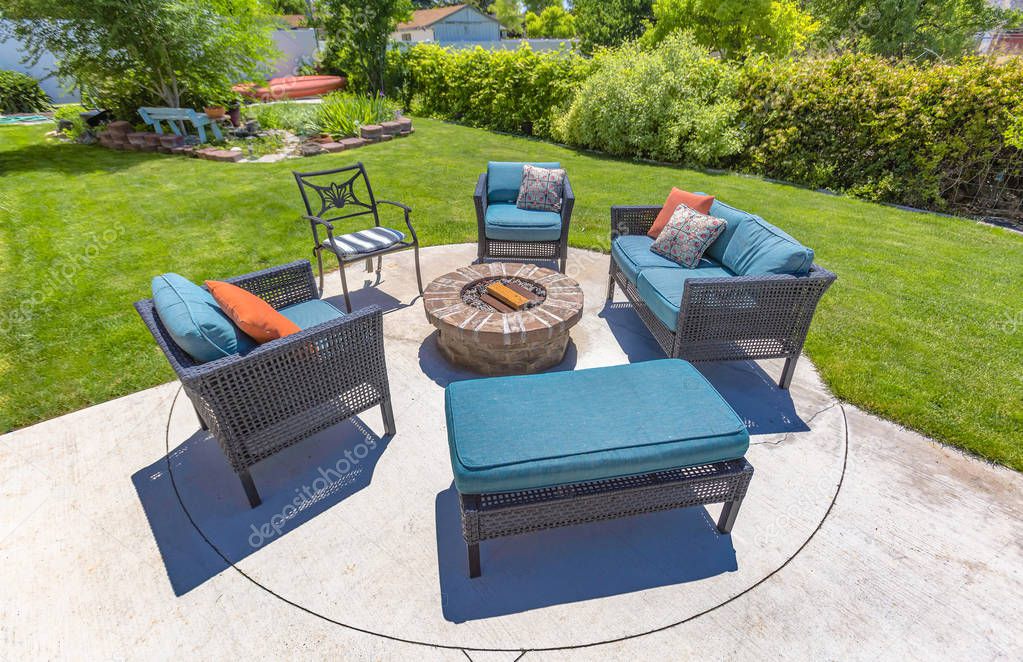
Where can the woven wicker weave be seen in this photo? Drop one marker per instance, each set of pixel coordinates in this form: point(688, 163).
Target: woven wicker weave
point(486, 516)
point(523, 250)
point(727, 319)
point(288, 389)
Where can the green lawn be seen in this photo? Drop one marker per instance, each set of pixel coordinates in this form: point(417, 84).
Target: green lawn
point(924, 326)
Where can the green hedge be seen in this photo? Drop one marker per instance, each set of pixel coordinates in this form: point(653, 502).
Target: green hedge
point(897, 132)
point(21, 94)
point(673, 103)
point(942, 136)
point(514, 91)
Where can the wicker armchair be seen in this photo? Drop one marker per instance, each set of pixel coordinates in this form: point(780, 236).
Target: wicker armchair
point(287, 389)
point(556, 250)
point(727, 319)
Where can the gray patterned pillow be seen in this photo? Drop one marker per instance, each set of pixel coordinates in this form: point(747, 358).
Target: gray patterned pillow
point(541, 188)
point(687, 235)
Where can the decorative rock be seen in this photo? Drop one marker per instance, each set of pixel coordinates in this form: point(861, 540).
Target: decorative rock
point(332, 147)
point(405, 123)
point(386, 137)
point(372, 132)
point(352, 143)
point(152, 140)
point(137, 137)
point(391, 128)
point(182, 151)
point(120, 127)
point(170, 141)
point(310, 149)
point(225, 155)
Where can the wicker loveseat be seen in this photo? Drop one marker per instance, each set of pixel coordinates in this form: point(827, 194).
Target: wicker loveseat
point(507, 232)
point(751, 297)
point(259, 403)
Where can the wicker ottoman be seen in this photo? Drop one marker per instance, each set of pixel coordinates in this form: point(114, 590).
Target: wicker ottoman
point(542, 451)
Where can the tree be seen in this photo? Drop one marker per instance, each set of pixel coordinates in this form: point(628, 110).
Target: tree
point(735, 28)
point(897, 28)
point(358, 33)
point(509, 14)
point(171, 49)
point(537, 6)
point(610, 22)
point(552, 23)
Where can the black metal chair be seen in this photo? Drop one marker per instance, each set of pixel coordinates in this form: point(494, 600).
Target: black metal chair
point(336, 193)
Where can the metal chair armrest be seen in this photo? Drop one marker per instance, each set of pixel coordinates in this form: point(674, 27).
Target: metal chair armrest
point(408, 216)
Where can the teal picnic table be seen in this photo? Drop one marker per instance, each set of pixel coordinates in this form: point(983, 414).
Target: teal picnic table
point(153, 116)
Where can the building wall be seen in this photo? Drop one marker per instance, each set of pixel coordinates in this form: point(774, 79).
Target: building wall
point(466, 25)
point(295, 46)
point(414, 36)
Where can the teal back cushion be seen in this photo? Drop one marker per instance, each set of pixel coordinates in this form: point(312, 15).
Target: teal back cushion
point(733, 218)
point(195, 321)
point(505, 177)
point(757, 248)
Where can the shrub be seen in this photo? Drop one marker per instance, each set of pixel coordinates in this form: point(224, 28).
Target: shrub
point(673, 103)
point(516, 91)
point(897, 132)
point(342, 114)
point(71, 113)
point(21, 94)
point(298, 118)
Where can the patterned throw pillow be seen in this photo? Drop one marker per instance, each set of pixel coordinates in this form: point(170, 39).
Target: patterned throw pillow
point(541, 188)
point(687, 235)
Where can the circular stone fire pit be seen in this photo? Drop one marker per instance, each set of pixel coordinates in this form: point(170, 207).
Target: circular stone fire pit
point(475, 335)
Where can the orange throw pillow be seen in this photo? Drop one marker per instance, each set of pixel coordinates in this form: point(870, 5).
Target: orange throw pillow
point(700, 203)
point(255, 317)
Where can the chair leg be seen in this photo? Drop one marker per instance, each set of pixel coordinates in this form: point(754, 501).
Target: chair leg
point(380, 263)
point(610, 287)
point(564, 262)
point(388, 414)
point(788, 372)
point(419, 275)
point(728, 514)
point(250, 488)
point(344, 285)
point(202, 423)
point(369, 265)
point(319, 262)
point(474, 560)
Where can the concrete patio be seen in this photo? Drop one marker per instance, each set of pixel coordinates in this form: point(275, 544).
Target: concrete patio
point(124, 533)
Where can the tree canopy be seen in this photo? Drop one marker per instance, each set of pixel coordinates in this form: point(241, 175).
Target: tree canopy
point(358, 32)
point(610, 22)
point(735, 28)
point(167, 49)
point(553, 23)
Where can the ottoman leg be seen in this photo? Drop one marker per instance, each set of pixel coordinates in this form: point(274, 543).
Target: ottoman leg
point(728, 514)
point(474, 560)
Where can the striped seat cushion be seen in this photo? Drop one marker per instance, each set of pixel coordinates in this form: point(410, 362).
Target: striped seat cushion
point(364, 241)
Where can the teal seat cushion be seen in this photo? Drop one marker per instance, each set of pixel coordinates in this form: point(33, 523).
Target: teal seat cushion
point(733, 219)
point(532, 431)
point(508, 222)
point(757, 248)
point(310, 313)
point(195, 321)
point(661, 289)
point(505, 177)
point(632, 253)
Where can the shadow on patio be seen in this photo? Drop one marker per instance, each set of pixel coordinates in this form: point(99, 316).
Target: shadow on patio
point(296, 484)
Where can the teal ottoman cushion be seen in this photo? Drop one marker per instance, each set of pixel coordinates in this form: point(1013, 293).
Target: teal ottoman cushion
point(632, 253)
point(195, 321)
point(518, 433)
point(310, 313)
point(661, 289)
point(505, 177)
point(509, 223)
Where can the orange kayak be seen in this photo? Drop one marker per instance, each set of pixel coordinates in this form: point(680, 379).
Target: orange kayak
point(292, 87)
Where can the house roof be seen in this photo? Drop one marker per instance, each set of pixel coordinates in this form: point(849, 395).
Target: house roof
point(424, 18)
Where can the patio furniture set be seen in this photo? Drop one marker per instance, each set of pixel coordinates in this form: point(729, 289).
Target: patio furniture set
point(267, 363)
